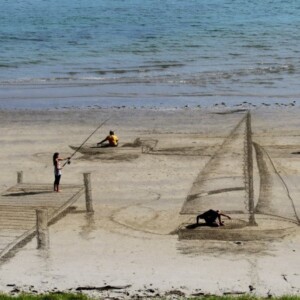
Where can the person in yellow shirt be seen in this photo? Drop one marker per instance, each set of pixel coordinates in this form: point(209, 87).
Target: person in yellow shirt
point(112, 140)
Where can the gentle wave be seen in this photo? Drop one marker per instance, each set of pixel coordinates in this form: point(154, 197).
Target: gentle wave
point(4, 39)
point(157, 77)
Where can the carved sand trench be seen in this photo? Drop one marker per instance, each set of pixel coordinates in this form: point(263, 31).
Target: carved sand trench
point(115, 217)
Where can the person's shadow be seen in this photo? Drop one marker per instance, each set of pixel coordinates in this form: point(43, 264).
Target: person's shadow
point(195, 225)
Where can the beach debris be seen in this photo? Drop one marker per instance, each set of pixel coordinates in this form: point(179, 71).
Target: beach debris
point(251, 288)
point(238, 243)
point(284, 277)
point(102, 288)
point(199, 294)
point(234, 293)
point(175, 292)
point(15, 290)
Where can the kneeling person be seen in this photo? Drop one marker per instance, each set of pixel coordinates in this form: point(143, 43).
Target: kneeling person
point(211, 217)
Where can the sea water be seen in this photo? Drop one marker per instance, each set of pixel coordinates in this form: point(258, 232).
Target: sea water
point(162, 53)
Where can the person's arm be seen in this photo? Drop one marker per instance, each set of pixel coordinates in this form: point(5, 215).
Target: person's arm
point(225, 216)
point(221, 223)
point(60, 158)
point(102, 141)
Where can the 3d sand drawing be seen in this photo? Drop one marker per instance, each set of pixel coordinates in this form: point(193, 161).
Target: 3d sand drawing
point(28, 209)
point(240, 179)
point(228, 182)
point(125, 151)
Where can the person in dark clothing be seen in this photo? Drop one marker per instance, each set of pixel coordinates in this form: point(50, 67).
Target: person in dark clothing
point(212, 218)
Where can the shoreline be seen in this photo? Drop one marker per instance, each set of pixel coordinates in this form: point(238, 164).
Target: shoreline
point(241, 107)
point(40, 97)
point(184, 105)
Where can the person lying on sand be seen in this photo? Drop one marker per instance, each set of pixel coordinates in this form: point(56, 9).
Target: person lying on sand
point(211, 216)
point(112, 140)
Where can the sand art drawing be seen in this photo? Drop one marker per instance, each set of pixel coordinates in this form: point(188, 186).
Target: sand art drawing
point(257, 215)
point(267, 217)
point(18, 207)
point(125, 151)
point(137, 231)
point(254, 218)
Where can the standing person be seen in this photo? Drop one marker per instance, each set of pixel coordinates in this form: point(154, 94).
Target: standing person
point(57, 170)
point(112, 140)
point(211, 216)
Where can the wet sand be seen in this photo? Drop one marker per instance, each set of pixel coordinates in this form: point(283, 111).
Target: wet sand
point(130, 242)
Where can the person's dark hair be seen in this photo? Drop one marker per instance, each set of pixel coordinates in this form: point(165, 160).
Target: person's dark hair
point(55, 156)
point(111, 132)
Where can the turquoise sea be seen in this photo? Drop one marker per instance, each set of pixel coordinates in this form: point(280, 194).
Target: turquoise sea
point(163, 53)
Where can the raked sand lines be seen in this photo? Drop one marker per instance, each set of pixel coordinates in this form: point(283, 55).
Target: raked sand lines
point(18, 207)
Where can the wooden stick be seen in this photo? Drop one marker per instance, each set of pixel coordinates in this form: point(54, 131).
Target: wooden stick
point(20, 177)
point(249, 162)
point(42, 228)
point(88, 192)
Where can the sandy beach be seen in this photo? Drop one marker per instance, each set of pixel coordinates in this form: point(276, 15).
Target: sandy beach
point(131, 241)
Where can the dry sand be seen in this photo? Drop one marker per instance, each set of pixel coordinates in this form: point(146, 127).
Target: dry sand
point(130, 241)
